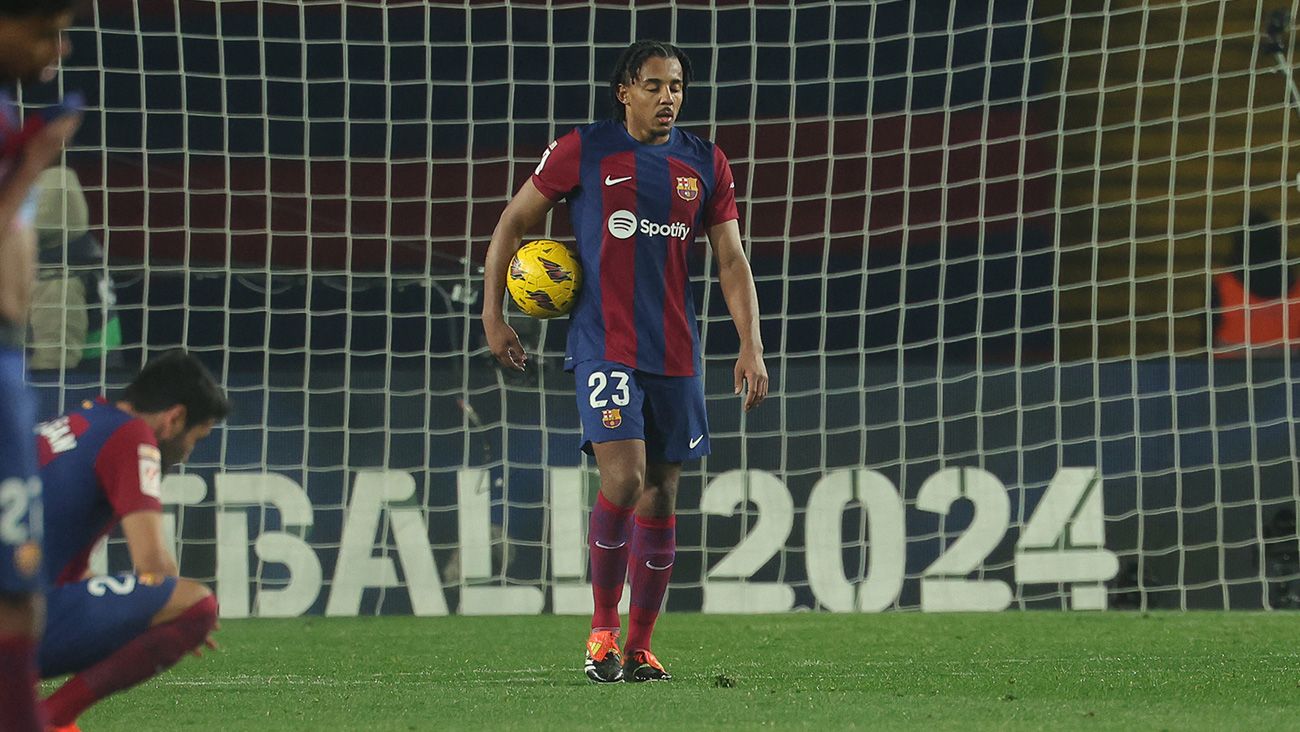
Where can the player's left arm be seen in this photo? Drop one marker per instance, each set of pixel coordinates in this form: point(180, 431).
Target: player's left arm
point(144, 541)
point(129, 469)
point(742, 302)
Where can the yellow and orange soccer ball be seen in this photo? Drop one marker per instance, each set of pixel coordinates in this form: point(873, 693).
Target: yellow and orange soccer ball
point(544, 279)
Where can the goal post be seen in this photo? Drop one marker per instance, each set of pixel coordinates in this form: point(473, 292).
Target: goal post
point(983, 235)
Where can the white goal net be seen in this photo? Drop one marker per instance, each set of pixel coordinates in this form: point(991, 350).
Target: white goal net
point(986, 238)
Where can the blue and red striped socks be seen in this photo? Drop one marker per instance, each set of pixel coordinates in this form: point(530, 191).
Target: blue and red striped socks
point(654, 548)
point(607, 538)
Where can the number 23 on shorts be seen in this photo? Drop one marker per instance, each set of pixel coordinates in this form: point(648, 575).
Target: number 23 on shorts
point(609, 399)
point(605, 389)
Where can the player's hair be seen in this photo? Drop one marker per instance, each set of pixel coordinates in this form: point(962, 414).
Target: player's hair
point(177, 377)
point(628, 68)
point(26, 8)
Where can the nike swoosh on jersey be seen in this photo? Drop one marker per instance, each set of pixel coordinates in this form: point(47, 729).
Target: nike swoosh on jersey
point(696, 441)
point(612, 181)
point(616, 546)
point(657, 569)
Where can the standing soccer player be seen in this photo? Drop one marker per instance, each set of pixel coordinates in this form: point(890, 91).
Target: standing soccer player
point(102, 465)
point(32, 41)
point(639, 190)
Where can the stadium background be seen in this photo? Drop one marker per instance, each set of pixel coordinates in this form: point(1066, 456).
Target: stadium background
point(301, 193)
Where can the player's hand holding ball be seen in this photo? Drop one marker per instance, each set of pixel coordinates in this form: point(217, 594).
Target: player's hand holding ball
point(543, 281)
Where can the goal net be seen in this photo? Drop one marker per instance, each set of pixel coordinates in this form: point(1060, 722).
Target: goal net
point(986, 239)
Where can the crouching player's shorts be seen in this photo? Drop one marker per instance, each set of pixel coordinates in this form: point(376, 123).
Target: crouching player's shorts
point(619, 403)
point(20, 488)
point(87, 621)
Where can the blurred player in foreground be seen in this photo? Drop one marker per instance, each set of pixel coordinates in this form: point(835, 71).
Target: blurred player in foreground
point(103, 464)
point(639, 190)
point(32, 41)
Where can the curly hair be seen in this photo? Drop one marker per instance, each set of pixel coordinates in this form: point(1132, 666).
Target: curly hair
point(628, 68)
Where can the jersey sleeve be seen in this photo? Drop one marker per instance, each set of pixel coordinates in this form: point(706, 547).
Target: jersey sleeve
point(557, 174)
point(129, 468)
point(721, 205)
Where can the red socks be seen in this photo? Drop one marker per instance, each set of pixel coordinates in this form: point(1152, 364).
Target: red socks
point(149, 654)
point(18, 709)
point(642, 550)
point(607, 538)
point(654, 547)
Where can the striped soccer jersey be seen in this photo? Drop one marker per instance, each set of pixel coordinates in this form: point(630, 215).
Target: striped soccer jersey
point(636, 211)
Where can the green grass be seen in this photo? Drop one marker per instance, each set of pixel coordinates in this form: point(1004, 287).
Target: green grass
point(802, 671)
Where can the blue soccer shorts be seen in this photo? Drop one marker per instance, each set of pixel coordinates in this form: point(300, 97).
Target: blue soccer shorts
point(87, 621)
point(20, 488)
point(619, 403)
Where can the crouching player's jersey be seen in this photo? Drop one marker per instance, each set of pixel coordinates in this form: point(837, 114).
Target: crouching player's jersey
point(636, 211)
point(98, 464)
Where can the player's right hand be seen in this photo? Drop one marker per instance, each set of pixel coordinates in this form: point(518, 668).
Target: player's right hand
point(504, 343)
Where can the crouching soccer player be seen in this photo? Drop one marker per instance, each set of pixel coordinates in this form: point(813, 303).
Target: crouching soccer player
point(103, 464)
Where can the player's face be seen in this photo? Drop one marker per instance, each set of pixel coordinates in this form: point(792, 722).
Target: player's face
point(176, 450)
point(31, 45)
point(653, 100)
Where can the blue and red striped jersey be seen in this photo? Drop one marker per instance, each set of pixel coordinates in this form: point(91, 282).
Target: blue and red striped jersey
point(98, 464)
point(636, 211)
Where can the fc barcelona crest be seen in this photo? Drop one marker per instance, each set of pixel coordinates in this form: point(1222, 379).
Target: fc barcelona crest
point(688, 188)
point(611, 418)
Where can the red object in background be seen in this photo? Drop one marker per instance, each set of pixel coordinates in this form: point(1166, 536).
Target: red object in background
point(975, 172)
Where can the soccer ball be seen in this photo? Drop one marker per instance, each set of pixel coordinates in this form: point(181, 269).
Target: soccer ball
point(544, 279)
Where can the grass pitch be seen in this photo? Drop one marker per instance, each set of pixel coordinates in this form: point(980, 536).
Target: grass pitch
point(1020, 670)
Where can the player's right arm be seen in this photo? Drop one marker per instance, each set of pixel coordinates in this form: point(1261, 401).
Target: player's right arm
point(554, 178)
point(524, 213)
point(17, 237)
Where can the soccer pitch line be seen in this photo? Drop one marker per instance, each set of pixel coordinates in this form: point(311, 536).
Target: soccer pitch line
point(384, 679)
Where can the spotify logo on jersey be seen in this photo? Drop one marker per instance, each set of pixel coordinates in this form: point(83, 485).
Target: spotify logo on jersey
point(622, 224)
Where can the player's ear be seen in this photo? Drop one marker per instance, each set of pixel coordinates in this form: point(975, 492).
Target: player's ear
point(174, 421)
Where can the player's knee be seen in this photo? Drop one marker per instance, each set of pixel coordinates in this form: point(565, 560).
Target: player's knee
point(199, 617)
point(190, 594)
point(189, 598)
point(622, 488)
point(204, 613)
